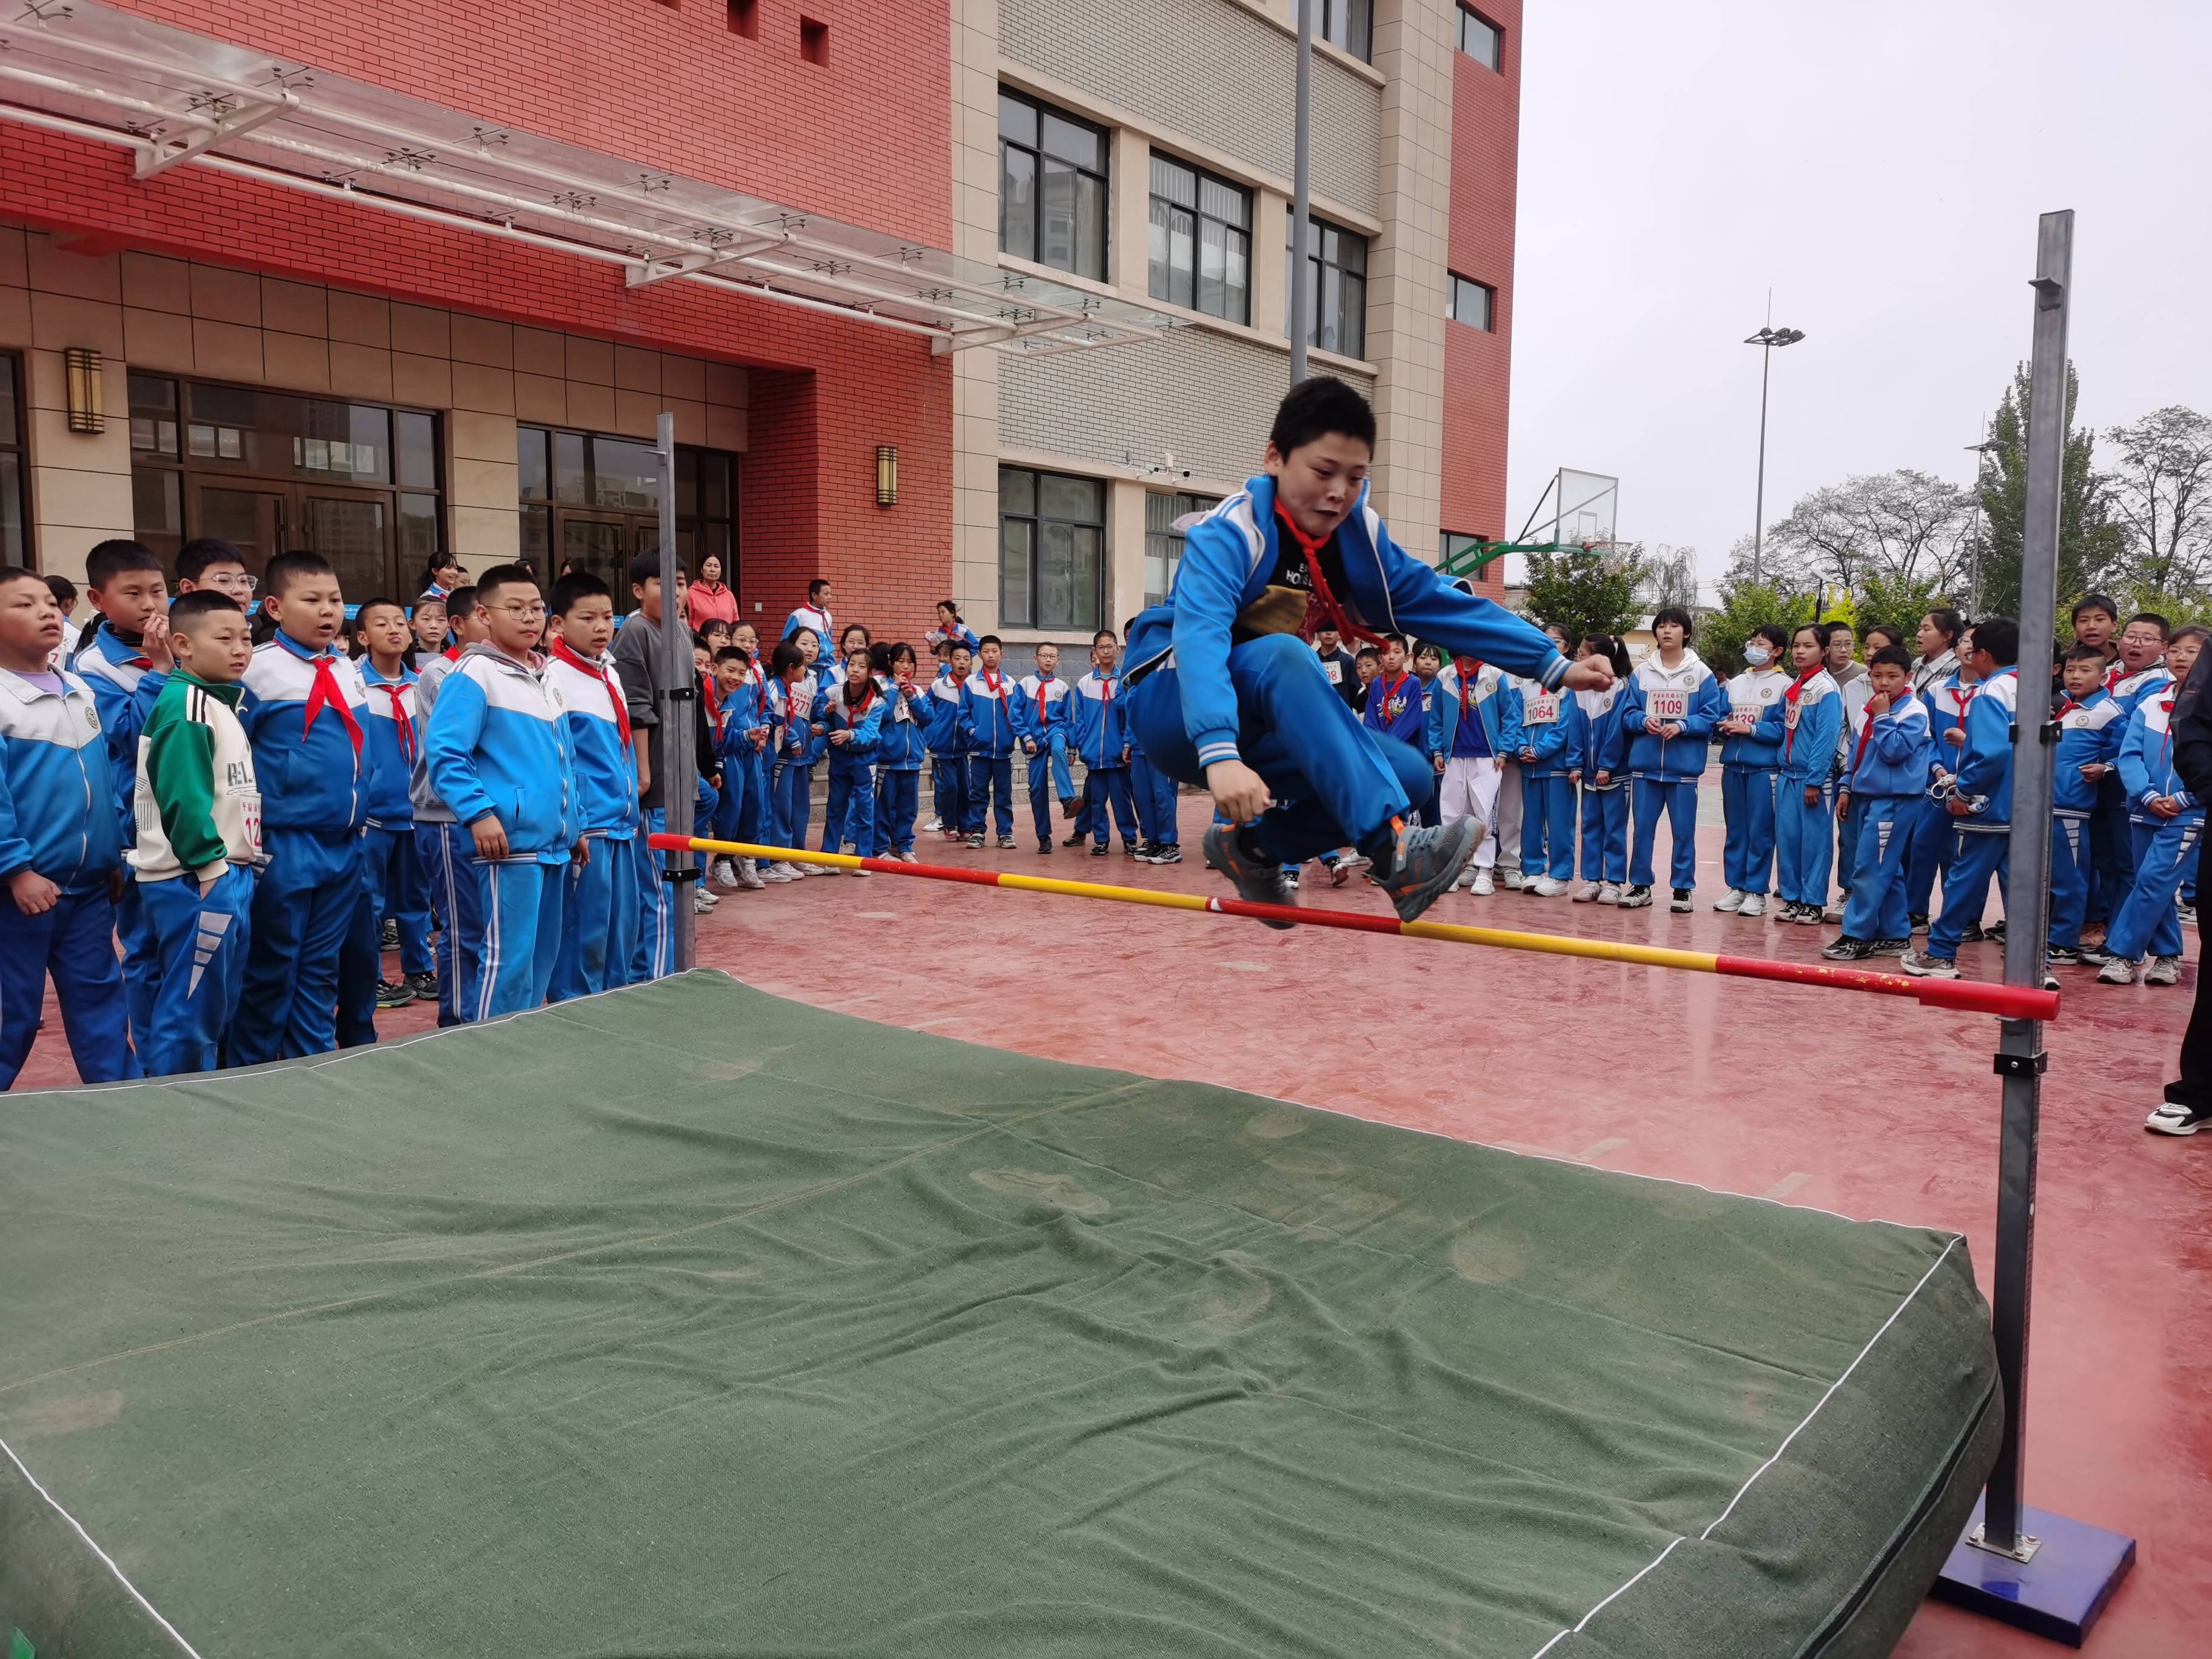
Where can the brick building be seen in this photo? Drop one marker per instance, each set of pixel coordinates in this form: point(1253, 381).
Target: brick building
point(410, 279)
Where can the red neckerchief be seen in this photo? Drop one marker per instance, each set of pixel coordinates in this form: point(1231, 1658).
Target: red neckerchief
point(565, 653)
point(2166, 740)
point(1322, 594)
point(1042, 684)
point(2117, 671)
point(1859, 753)
point(393, 690)
point(1796, 688)
point(1469, 667)
point(324, 693)
point(995, 684)
point(1390, 688)
point(854, 710)
point(453, 653)
point(1106, 683)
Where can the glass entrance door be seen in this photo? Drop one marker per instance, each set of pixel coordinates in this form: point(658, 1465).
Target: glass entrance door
point(596, 545)
point(354, 532)
point(250, 520)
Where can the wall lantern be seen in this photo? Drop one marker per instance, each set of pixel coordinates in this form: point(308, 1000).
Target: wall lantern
point(886, 475)
point(84, 412)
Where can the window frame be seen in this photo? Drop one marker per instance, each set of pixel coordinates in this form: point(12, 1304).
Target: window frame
point(1453, 284)
point(1495, 62)
point(1341, 19)
point(16, 449)
point(1037, 518)
point(1322, 230)
point(1200, 218)
point(1165, 544)
point(1039, 154)
point(636, 522)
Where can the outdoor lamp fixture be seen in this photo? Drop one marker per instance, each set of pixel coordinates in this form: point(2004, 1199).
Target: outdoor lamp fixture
point(886, 475)
point(1769, 337)
point(84, 412)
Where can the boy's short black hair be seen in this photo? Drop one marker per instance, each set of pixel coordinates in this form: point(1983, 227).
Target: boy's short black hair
point(1675, 613)
point(944, 646)
point(288, 568)
point(461, 600)
point(959, 646)
point(575, 587)
point(196, 554)
point(16, 573)
point(731, 653)
point(1895, 655)
point(1398, 640)
point(203, 602)
point(2094, 653)
point(63, 589)
point(361, 609)
point(2000, 637)
point(1774, 633)
point(646, 568)
point(503, 575)
point(2104, 602)
point(992, 639)
point(814, 588)
point(784, 657)
point(1368, 651)
point(2164, 627)
point(1106, 634)
point(1317, 407)
point(110, 559)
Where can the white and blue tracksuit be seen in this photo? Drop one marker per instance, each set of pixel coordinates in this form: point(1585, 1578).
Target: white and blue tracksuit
point(1472, 727)
point(1549, 754)
point(1889, 776)
point(901, 743)
point(497, 748)
point(1806, 719)
point(306, 714)
point(1665, 771)
point(125, 685)
point(1857, 692)
point(948, 754)
point(599, 913)
point(1040, 724)
point(1933, 838)
point(2111, 834)
point(815, 617)
point(1596, 716)
point(395, 883)
point(741, 803)
point(57, 817)
point(793, 707)
point(848, 823)
point(1984, 848)
point(1219, 671)
point(443, 848)
point(2089, 734)
point(1098, 726)
point(2164, 848)
point(1750, 766)
point(987, 727)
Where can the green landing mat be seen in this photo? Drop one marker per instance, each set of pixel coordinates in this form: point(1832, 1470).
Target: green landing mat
point(687, 1322)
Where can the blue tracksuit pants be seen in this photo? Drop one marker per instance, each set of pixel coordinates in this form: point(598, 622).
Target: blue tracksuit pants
point(598, 920)
point(361, 964)
point(849, 820)
point(790, 794)
point(1547, 827)
point(203, 943)
point(1049, 762)
point(304, 906)
point(1605, 834)
point(1879, 865)
point(653, 954)
point(1680, 802)
point(2111, 850)
point(2164, 853)
point(521, 900)
point(898, 802)
point(1978, 855)
point(1155, 793)
point(1105, 787)
point(443, 850)
point(142, 960)
point(730, 798)
point(990, 781)
point(396, 882)
point(1335, 782)
point(2070, 879)
point(1804, 843)
point(74, 942)
point(1747, 805)
point(949, 786)
point(1847, 845)
point(1933, 841)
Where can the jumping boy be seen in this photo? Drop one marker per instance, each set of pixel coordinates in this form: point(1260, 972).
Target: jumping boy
point(987, 727)
point(1889, 772)
point(1244, 708)
point(599, 909)
point(1980, 798)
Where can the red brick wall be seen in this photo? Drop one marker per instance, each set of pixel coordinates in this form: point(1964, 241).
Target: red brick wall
point(1478, 366)
point(865, 138)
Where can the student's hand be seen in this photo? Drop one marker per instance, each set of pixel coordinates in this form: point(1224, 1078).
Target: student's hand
point(1240, 795)
point(1437, 761)
point(1590, 674)
point(1670, 731)
point(1956, 737)
point(757, 736)
point(1651, 725)
point(156, 645)
point(1603, 778)
point(1843, 803)
point(1958, 807)
point(1811, 795)
point(34, 894)
point(1529, 757)
point(1028, 745)
point(1125, 754)
point(580, 854)
point(2166, 808)
point(1877, 704)
point(816, 728)
point(118, 878)
point(2095, 770)
point(838, 737)
point(1574, 774)
point(490, 837)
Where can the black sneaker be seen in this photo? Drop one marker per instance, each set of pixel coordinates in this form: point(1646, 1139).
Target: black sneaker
point(1170, 854)
point(1995, 932)
point(1848, 949)
point(1918, 921)
point(424, 986)
point(1255, 882)
point(1129, 850)
point(388, 937)
point(1143, 849)
point(1894, 947)
point(1635, 898)
point(389, 995)
point(1972, 935)
point(1681, 900)
point(1044, 848)
point(2171, 1120)
point(1074, 840)
point(977, 838)
point(1098, 851)
point(2091, 956)
point(2063, 956)
point(1425, 862)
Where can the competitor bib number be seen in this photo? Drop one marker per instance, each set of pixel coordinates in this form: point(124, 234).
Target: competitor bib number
point(1335, 672)
point(1542, 710)
point(1667, 706)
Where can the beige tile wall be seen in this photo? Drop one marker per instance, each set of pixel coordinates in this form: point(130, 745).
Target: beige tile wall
point(140, 310)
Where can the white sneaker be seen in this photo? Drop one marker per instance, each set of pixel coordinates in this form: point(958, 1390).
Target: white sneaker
point(859, 872)
point(722, 870)
point(1587, 893)
point(907, 857)
point(1928, 967)
point(1515, 881)
point(1547, 887)
point(702, 903)
point(1484, 884)
point(1609, 893)
point(2163, 971)
point(1731, 902)
point(2117, 971)
point(1832, 913)
point(749, 876)
point(2171, 1120)
point(931, 827)
point(709, 900)
point(779, 872)
point(1755, 904)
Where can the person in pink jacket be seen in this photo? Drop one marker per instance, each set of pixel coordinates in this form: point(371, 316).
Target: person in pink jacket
point(710, 599)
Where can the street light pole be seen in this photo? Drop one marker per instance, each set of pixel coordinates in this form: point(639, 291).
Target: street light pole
point(1766, 339)
point(1983, 451)
point(1302, 297)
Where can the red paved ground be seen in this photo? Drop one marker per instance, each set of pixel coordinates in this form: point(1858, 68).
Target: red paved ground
point(1861, 1105)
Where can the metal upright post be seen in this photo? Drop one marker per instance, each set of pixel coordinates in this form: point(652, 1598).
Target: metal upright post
point(1302, 297)
point(678, 760)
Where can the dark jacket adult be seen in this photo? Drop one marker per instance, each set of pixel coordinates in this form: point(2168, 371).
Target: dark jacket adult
point(2192, 730)
point(639, 652)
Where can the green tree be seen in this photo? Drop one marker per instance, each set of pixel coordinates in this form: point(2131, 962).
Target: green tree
point(1900, 603)
point(1744, 605)
point(1585, 591)
point(2090, 545)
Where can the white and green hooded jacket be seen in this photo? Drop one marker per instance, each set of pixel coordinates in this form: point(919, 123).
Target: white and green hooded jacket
point(198, 808)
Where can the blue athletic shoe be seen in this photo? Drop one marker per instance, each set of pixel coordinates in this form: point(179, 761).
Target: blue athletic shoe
point(1255, 882)
point(1425, 862)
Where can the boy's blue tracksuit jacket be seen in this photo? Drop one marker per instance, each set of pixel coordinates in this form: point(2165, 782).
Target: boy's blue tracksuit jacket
point(1098, 724)
point(1040, 708)
point(1893, 758)
point(497, 744)
point(1397, 709)
point(1985, 761)
point(310, 774)
point(57, 812)
point(904, 733)
point(2146, 761)
point(1499, 705)
point(2089, 734)
point(606, 765)
point(123, 684)
point(942, 718)
point(986, 713)
point(391, 739)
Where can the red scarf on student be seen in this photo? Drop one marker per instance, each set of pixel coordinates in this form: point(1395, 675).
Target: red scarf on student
point(1469, 668)
point(1390, 688)
point(325, 694)
point(395, 690)
point(1323, 598)
point(566, 653)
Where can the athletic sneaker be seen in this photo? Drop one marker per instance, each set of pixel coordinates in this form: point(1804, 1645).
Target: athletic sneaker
point(1256, 882)
point(1609, 893)
point(779, 872)
point(1007, 843)
point(387, 937)
point(1587, 893)
point(1075, 840)
point(1044, 849)
point(749, 876)
point(1144, 850)
point(702, 903)
point(1897, 947)
point(857, 871)
point(1681, 902)
point(1547, 887)
point(1811, 916)
point(1848, 949)
point(389, 995)
point(1291, 876)
point(1099, 850)
point(934, 823)
point(2173, 1119)
point(2062, 956)
point(1755, 904)
point(1918, 921)
point(723, 869)
point(2186, 915)
point(1484, 885)
point(424, 986)
point(2093, 956)
point(1634, 899)
point(1995, 932)
point(2163, 971)
point(975, 839)
point(1171, 852)
point(1972, 934)
point(699, 891)
point(1514, 880)
point(1926, 967)
point(1832, 913)
point(1427, 859)
point(907, 857)
point(1731, 902)
point(1339, 873)
point(2116, 970)
point(1129, 850)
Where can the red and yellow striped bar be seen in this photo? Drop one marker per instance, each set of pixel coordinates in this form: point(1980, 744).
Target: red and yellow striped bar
point(1966, 995)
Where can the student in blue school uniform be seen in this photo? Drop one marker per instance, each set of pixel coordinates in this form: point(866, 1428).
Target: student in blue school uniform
point(1159, 834)
point(1098, 728)
point(987, 730)
point(741, 738)
point(442, 846)
point(2090, 727)
point(949, 630)
point(1979, 800)
point(1934, 839)
point(1550, 761)
point(499, 752)
point(1597, 714)
point(794, 703)
point(1395, 707)
point(61, 847)
point(599, 914)
point(396, 884)
point(2136, 667)
point(1673, 703)
point(854, 712)
point(1805, 719)
point(2167, 819)
point(901, 743)
point(1888, 773)
point(1472, 721)
point(1040, 726)
point(306, 712)
point(1751, 762)
point(948, 752)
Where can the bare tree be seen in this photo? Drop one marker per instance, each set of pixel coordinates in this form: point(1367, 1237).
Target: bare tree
point(1905, 526)
point(2161, 493)
point(1670, 577)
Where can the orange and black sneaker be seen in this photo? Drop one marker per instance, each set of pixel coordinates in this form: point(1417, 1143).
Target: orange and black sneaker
point(1256, 881)
point(1424, 862)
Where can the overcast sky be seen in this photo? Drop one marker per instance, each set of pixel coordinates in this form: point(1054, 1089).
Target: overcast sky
point(1880, 165)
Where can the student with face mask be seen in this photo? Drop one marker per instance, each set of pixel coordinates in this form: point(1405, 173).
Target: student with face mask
point(1750, 764)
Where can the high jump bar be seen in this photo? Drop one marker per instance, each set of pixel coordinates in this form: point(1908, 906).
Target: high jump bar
point(1969, 996)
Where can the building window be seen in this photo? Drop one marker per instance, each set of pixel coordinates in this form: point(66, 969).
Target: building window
point(1474, 304)
point(1334, 271)
point(1201, 241)
point(1164, 542)
point(14, 510)
point(1052, 187)
point(1052, 544)
point(593, 501)
point(358, 484)
point(1480, 38)
point(1349, 24)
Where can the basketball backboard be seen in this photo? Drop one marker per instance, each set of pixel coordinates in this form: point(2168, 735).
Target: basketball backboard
point(1585, 507)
